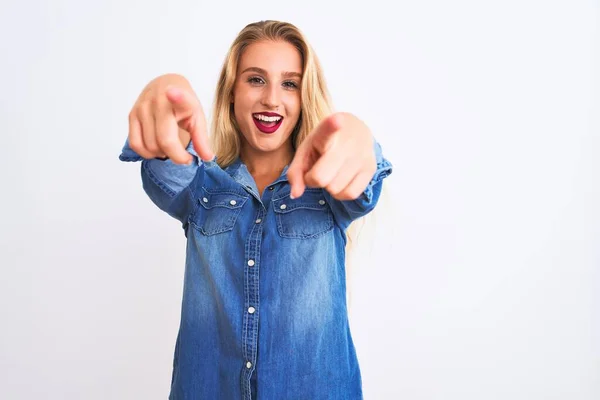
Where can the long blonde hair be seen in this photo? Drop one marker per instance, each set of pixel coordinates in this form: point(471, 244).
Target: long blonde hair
point(315, 101)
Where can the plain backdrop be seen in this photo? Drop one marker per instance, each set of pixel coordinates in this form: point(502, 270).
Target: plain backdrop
point(477, 276)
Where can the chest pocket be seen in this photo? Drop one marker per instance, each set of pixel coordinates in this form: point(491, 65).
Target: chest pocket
point(219, 212)
point(306, 217)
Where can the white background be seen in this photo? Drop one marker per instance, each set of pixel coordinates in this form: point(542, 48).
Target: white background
point(478, 276)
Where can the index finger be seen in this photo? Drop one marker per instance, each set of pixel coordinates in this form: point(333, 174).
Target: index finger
point(199, 135)
point(167, 135)
point(188, 110)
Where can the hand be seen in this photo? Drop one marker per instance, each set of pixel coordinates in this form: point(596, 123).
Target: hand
point(338, 156)
point(165, 117)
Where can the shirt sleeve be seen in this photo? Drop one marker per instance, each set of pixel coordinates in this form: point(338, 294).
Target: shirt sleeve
point(346, 211)
point(170, 186)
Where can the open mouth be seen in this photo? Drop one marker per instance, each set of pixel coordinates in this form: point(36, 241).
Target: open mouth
point(267, 122)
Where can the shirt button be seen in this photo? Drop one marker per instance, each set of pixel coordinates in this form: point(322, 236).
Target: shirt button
point(283, 207)
point(321, 202)
point(232, 202)
point(248, 365)
point(251, 263)
point(251, 310)
point(204, 199)
point(258, 221)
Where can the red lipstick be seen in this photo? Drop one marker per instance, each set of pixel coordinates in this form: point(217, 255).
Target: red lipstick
point(261, 124)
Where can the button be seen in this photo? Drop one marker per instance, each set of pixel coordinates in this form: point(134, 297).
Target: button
point(283, 207)
point(204, 199)
point(321, 202)
point(232, 202)
point(258, 221)
point(251, 310)
point(248, 365)
point(251, 263)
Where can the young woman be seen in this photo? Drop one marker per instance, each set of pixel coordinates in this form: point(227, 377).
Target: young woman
point(265, 203)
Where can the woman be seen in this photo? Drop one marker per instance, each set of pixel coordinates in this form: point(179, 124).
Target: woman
point(265, 204)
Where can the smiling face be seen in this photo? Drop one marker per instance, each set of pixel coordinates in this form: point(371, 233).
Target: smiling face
point(266, 96)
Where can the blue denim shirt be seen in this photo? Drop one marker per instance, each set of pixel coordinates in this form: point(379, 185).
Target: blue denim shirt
point(264, 295)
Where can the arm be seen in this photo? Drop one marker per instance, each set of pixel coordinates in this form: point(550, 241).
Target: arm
point(341, 156)
point(166, 126)
point(170, 186)
point(346, 211)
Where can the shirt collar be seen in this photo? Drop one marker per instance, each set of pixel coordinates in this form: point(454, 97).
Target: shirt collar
point(239, 172)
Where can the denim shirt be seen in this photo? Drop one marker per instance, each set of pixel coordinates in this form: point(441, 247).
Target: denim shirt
point(264, 294)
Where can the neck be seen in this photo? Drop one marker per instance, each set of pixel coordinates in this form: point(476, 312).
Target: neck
point(267, 164)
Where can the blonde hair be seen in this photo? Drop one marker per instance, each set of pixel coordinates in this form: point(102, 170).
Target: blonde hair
point(315, 98)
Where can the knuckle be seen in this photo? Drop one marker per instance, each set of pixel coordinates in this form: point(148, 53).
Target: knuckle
point(144, 111)
point(153, 147)
point(165, 141)
point(334, 188)
point(344, 195)
point(355, 193)
point(135, 143)
point(339, 196)
point(319, 179)
point(153, 102)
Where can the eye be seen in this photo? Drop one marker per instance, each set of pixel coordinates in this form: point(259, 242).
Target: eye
point(255, 80)
point(290, 84)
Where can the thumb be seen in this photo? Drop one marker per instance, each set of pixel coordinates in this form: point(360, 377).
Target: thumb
point(189, 114)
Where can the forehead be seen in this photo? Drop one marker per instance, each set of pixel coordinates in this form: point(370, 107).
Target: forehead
point(274, 57)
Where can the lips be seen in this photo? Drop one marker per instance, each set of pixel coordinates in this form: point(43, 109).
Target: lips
point(267, 126)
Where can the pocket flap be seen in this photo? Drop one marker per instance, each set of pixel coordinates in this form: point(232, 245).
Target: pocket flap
point(227, 199)
point(311, 199)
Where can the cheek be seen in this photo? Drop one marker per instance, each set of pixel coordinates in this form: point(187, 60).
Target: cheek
point(293, 106)
point(240, 106)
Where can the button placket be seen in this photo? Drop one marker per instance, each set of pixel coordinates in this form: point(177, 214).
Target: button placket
point(251, 294)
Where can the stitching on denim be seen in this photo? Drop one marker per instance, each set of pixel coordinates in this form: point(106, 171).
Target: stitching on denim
point(329, 228)
point(227, 226)
point(224, 191)
point(307, 190)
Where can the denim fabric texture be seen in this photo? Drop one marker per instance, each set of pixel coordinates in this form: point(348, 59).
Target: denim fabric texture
point(263, 313)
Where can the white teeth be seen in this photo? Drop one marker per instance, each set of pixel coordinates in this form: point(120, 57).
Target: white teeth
point(266, 119)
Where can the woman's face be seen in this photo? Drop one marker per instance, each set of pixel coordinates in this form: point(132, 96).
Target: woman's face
point(266, 94)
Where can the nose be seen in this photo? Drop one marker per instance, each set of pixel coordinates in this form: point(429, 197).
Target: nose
point(271, 98)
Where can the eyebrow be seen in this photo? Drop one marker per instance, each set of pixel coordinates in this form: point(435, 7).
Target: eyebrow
point(285, 74)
